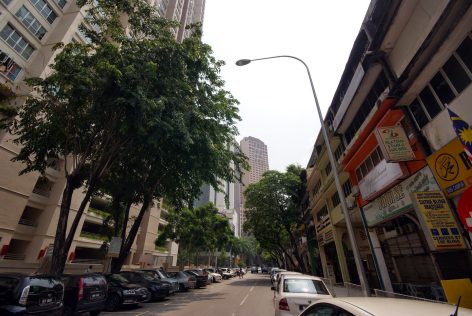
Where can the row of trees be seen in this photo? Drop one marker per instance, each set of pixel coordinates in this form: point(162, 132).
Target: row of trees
point(134, 114)
point(274, 214)
point(203, 229)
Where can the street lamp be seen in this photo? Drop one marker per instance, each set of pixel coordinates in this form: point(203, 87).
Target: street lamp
point(350, 230)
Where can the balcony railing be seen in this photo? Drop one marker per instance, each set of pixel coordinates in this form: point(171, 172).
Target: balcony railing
point(28, 222)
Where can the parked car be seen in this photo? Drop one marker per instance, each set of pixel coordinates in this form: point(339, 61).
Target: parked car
point(372, 306)
point(201, 275)
point(295, 292)
point(162, 275)
point(227, 273)
point(159, 289)
point(213, 276)
point(122, 292)
point(273, 274)
point(84, 293)
point(278, 275)
point(30, 295)
point(186, 281)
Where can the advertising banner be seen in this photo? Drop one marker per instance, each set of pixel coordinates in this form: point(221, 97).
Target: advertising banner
point(439, 225)
point(394, 143)
point(452, 168)
point(397, 200)
point(383, 175)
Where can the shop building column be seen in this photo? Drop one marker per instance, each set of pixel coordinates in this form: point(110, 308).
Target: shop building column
point(338, 233)
point(379, 257)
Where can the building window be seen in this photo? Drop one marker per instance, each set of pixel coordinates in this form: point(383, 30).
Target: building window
point(371, 99)
point(347, 187)
point(328, 169)
point(12, 70)
point(369, 163)
point(339, 151)
point(30, 22)
point(445, 86)
point(7, 2)
point(61, 3)
point(335, 199)
point(16, 41)
point(45, 10)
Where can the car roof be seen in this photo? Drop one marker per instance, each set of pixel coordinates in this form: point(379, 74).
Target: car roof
point(300, 276)
point(395, 306)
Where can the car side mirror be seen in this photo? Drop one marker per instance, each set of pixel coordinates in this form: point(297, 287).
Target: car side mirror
point(272, 288)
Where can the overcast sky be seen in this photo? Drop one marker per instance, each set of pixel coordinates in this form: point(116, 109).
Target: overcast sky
point(276, 102)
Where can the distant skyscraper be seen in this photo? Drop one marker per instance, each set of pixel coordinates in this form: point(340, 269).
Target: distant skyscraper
point(256, 151)
point(225, 199)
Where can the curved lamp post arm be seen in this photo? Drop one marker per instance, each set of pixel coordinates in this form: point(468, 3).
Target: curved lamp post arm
point(342, 197)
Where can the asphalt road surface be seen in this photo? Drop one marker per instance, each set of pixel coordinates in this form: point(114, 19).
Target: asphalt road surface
point(250, 296)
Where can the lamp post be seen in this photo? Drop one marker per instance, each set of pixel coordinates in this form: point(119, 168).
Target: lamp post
point(350, 230)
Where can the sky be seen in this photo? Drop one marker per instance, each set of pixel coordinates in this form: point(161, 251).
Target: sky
point(276, 101)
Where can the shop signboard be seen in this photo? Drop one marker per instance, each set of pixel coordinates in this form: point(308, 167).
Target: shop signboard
point(397, 200)
point(325, 236)
point(452, 168)
point(380, 177)
point(439, 225)
point(394, 143)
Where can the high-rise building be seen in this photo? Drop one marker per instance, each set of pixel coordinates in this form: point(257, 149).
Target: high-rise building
point(29, 29)
point(225, 198)
point(256, 151)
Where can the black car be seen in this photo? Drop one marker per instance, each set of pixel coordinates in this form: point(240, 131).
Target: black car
point(201, 275)
point(84, 293)
point(158, 289)
point(123, 292)
point(30, 295)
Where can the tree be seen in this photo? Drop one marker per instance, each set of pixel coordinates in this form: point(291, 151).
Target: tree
point(274, 212)
point(197, 229)
point(134, 89)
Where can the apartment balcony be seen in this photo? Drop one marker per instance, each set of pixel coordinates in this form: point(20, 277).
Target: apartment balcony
point(26, 226)
point(15, 256)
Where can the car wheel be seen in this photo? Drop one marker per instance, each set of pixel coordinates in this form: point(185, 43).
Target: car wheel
point(67, 311)
point(113, 303)
point(95, 313)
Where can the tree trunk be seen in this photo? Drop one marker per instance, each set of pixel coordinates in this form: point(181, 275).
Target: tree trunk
point(293, 241)
point(117, 263)
point(125, 223)
point(75, 223)
point(57, 264)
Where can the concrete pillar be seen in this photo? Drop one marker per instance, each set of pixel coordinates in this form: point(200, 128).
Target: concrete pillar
point(338, 234)
point(381, 265)
point(324, 263)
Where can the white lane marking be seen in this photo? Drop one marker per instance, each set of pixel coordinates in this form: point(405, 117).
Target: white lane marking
point(244, 299)
point(252, 288)
point(142, 313)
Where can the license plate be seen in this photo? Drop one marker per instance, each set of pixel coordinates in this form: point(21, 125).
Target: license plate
point(46, 301)
point(95, 295)
point(302, 307)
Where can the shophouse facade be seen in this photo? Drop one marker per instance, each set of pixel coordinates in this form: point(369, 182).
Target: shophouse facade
point(410, 60)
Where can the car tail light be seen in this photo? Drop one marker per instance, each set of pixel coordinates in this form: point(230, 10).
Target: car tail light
point(24, 295)
point(283, 305)
point(81, 289)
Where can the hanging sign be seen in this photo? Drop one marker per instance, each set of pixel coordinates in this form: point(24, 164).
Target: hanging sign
point(439, 225)
point(394, 143)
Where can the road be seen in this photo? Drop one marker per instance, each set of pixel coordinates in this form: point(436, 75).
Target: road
point(236, 297)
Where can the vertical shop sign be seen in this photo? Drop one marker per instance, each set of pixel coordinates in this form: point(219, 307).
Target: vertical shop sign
point(439, 225)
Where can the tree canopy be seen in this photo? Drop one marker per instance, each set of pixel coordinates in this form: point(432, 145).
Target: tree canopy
point(133, 99)
point(274, 214)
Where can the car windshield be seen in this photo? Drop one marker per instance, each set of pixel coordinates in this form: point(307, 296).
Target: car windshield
point(162, 274)
point(304, 286)
point(150, 276)
point(117, 278)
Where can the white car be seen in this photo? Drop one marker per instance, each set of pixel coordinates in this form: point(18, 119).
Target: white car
point(295, 292)
point(379, 306)
point(279, 274)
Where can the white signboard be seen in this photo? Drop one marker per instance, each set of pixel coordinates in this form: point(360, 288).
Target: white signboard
point(378, 178)
point(397, 200)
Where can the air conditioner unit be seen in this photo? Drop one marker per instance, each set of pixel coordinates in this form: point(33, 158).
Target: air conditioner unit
point(355, 190)
point(351, 202)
